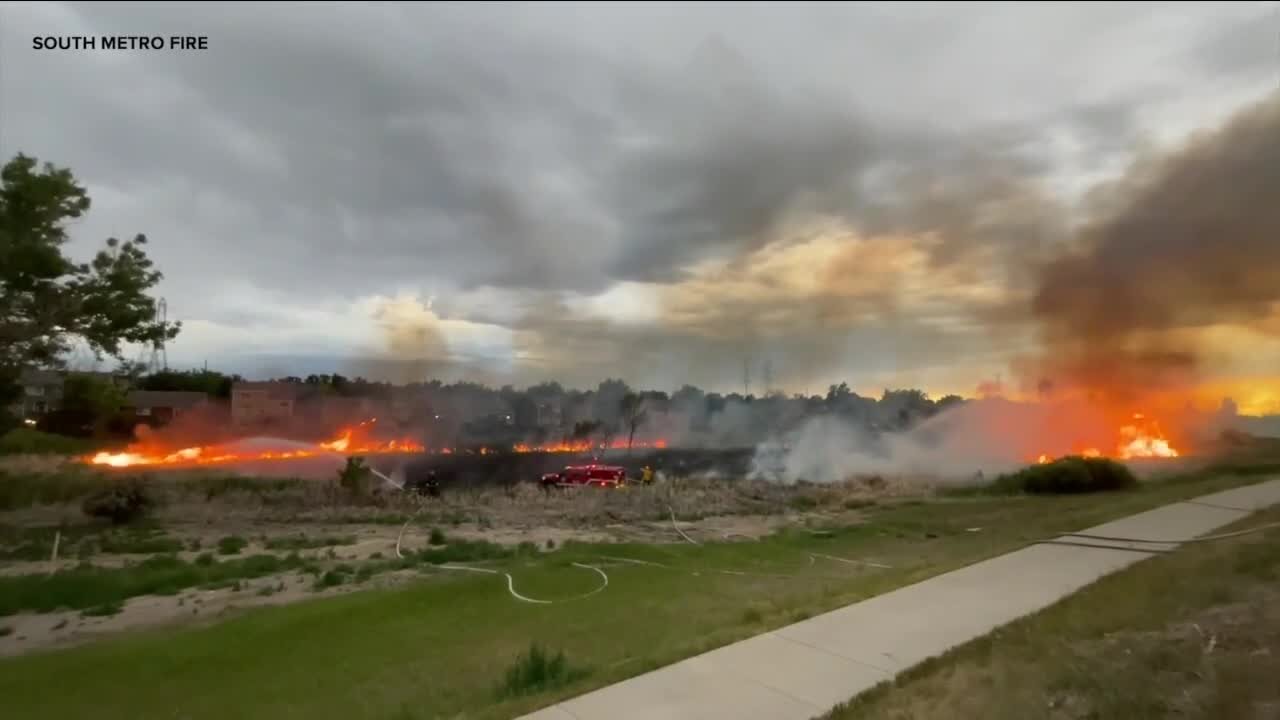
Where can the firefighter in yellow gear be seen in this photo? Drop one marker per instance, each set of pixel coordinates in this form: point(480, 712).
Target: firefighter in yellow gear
point(646, 475)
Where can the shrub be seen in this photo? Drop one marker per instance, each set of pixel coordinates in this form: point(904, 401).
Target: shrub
point(537, 670)
point(354, 477)
point(437, 537)
point(123, 503)
point(464, 551)
point(25, 441)
point(332, 578)
point(1069, 475)
point(231, 545)
point(5, 630)
point(205, 560)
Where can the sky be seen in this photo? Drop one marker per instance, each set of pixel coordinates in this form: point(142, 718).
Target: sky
point(728, 195)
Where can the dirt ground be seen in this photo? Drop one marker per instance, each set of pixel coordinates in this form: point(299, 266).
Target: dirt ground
point(199, 509)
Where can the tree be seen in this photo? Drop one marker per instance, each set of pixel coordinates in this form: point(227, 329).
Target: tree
point(47, 301)
point(632, 408)
point(95, 399)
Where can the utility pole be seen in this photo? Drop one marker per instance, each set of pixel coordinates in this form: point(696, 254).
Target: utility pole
point(768, 376)
point(746, 376)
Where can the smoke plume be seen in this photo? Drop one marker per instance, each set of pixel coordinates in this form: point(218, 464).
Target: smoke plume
point(1184, 243)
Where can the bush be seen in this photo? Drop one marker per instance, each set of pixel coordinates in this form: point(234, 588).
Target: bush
point(354, 477)
point(231, 545)
point(25, 441)
point(124, 503)
point(437, 537)
point(1069, 475)
point(537, 671)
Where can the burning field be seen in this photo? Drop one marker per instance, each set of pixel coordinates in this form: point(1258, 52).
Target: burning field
point(361, 439)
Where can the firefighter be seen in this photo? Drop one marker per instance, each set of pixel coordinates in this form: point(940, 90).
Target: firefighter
point(646, 475)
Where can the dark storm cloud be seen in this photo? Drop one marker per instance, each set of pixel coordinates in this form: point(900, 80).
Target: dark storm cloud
point(335, 151)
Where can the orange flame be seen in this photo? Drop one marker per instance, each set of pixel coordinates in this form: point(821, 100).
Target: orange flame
point(1140, 439)
point(351, 440)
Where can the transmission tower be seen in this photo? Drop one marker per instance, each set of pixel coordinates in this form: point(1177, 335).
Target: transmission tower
point(159, 355)
point(768, 377)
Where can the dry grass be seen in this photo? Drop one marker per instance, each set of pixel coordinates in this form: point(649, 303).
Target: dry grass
point(1192, 634)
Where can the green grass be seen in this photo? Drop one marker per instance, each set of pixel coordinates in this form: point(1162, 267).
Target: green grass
point(648, 617)
point(87, 586)
point(302, 542)
point(1190, 634)
point(25, 441)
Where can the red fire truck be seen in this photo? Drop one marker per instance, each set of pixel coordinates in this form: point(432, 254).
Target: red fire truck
point(612, 476)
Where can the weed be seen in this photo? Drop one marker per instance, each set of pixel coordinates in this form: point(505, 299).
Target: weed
point(551, 544)
point(332, 578)
point(232, 545)
point(375, 556)
point(106, 609)
point(205, 559)
point(527, 548)
point(365, 572)
point(537, 671)
point(126, 502)
point(236, 586)
point(5, 631)
point(194, 545)
point(751, 616)
point(266, 591)
point(61, 624)
point(331, 554)
point(437, 537)
point(464, 551)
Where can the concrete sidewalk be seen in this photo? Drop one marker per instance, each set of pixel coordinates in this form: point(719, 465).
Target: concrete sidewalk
point(803, 670)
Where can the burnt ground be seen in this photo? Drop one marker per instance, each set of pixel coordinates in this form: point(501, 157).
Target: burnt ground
point(463, 470)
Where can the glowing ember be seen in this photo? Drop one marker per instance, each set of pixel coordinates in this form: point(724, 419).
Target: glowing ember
point(1140, 439)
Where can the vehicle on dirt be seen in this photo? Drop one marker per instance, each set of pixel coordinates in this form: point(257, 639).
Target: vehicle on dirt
point(611, 476)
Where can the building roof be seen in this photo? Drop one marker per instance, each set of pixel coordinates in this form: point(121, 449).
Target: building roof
point(165, 398)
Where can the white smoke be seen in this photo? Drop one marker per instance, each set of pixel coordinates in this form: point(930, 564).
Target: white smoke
point(982, 436)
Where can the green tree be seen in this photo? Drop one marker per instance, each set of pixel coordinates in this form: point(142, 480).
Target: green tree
point(47, 301)
point(97, 399)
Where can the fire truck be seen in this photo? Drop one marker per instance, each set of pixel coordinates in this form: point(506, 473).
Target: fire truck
point(608, 476)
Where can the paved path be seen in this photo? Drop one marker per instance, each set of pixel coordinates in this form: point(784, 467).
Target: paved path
point(803, 670)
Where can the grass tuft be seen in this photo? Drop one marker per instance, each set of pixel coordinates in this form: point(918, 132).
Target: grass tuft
point(537, 670)
point(232, 545)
